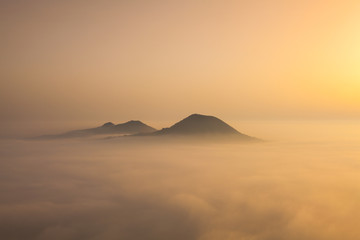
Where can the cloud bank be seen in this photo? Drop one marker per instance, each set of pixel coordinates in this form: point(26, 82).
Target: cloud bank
point(71, 190)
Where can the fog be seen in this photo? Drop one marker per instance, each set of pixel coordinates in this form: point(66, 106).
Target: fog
point(303, 183)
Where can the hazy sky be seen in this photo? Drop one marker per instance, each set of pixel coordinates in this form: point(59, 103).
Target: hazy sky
point(155, 60)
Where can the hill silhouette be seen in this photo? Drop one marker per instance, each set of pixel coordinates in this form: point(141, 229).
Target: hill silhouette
point(196, 126)
point(202, 125)
point(130, 127)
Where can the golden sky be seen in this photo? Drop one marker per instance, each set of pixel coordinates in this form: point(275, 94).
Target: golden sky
point(154, 60)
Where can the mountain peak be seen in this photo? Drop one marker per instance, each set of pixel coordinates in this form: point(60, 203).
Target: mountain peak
point(197, 116)
point(134, 121)
point(197, 124)
point(108, 124)
point(130, 127)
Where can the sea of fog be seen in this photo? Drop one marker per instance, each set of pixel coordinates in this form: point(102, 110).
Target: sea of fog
point(301, 184)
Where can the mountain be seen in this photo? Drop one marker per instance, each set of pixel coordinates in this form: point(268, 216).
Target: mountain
point(130, 127)
point(196, 126)
point(202, 125)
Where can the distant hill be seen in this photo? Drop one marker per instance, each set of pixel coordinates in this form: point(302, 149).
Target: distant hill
point(196, 126)
point(202, 125)
point(130, 127)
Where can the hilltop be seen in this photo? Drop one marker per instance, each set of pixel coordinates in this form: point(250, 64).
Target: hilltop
point(197, 125)
point(130, 127)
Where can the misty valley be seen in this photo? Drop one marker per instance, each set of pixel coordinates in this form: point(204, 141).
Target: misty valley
point(298, 186)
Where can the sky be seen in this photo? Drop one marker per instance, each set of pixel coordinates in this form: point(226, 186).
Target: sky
point(163, 60)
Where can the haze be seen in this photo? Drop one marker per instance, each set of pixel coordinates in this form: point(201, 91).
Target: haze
point(161, 60)
point(300, 188)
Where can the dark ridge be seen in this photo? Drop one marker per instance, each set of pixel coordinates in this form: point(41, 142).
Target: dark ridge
point(133, 127)
point(202, 126)
point(108, 124)
point(196, 125)
point(130, 127)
